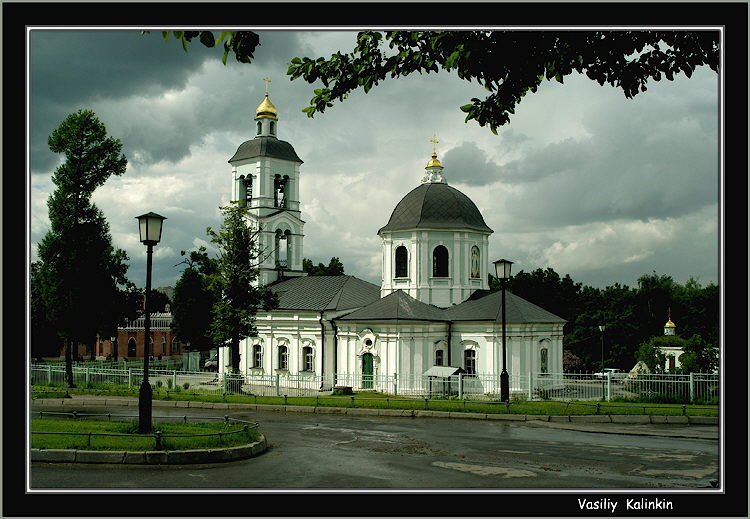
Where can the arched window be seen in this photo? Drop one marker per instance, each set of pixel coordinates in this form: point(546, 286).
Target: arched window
point(241, 190)
point(475, 269)
point(543, 366)
point(248, 183)
point(402, 262)
point(260, 128)
point(440, 262)
point(307, 359)
point(273, 127)
point(280, 185)
point(257, 356)
point(131, 347)
point(470, 362)
point(175, 346)
point(283, 358)
point(439, 357)
point(283, 248)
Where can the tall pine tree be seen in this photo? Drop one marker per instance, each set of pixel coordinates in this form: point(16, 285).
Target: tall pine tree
point(79, 269)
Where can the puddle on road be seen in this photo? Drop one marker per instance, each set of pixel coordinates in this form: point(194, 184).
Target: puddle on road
point(482, 470)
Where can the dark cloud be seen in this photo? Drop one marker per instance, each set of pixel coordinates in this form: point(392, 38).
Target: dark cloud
point(73, 69)
point(467, 164)
point(655, 160)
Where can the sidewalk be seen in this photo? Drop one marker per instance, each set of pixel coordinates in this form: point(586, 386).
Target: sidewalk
point(700, 427)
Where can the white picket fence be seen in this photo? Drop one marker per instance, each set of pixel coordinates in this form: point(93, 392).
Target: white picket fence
point(694, 387)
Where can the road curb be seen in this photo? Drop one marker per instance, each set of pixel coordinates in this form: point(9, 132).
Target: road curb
point(186, 457)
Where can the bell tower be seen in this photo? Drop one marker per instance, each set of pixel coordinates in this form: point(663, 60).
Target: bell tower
point(265, 179)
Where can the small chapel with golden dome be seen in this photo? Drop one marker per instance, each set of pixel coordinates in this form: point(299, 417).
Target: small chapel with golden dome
point(433, 307)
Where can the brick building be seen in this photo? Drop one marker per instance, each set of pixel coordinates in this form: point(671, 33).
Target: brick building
point(130, 339)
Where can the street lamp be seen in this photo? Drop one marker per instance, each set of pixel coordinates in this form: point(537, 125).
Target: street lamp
point(149, 225)
point(502, 270)
point(601, 329)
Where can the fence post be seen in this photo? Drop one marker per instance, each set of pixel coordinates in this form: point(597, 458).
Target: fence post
point(609, 385)
point(87, 378)
point(531, 385)
point(130, 377)
point(224, 381)
point(49, 374)
point(174, 378)
point(278, 391)
point(460, 385)
point(395, 384)
point(692, 388)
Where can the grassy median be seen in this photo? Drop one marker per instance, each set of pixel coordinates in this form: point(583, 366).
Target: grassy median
point(374, 400)
point(105, 435)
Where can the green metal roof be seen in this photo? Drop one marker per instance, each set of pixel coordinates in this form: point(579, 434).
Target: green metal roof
point(265, 147)
point(397, 305)
point(318, 293)
point(483, 305)
point(435, 205)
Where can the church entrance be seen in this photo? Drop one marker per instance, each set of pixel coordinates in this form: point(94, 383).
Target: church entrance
point(367, 371)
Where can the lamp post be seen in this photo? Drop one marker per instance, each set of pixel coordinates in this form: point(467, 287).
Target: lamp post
point(149, 226)
point(502, 270)
point(601, 329)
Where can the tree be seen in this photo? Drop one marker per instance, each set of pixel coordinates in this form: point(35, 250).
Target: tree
point(194, 300)
point(651, 352)
point(79, 269)
point(334, 268)
point(508, 64)
point(698, 356)
point(238, 300)
point(44, 340)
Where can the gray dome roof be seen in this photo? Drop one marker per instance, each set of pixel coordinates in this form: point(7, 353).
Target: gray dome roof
point(436, 205)
point(265, 147)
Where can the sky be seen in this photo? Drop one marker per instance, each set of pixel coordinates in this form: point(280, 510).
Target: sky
point(582, 180)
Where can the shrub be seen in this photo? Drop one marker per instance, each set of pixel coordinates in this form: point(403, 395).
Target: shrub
point(186, 386)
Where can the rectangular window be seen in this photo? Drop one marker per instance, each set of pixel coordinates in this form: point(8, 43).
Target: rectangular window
point(257, 357)
point(307, 354)
point(439, 358)
point(470, 362)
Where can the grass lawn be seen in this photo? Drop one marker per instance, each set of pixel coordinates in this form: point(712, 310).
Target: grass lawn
point(136, 443)
point(374, 400)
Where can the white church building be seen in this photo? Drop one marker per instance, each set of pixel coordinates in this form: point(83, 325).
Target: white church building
point(432, 308)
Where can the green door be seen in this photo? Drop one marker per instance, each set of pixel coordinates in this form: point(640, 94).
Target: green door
point(367, 371)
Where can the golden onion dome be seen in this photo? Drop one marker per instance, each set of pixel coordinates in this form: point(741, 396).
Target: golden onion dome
point(266, 109)
point(434, 162)
point(669, 324)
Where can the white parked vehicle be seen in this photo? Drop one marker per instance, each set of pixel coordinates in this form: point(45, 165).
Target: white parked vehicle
point(615, 373)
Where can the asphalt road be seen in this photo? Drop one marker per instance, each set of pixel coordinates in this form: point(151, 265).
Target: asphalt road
point(314, 451)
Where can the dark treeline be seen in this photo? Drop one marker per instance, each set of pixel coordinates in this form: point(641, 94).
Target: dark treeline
point(631, 315)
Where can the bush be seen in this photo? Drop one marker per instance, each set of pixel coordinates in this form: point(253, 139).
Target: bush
point(186, 386)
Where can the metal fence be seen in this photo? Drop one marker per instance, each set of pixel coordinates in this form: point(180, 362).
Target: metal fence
point(157, 436)
point(666, 388)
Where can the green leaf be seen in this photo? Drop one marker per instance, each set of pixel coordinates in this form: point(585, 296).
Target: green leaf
point(207, 39)
point(466, 108)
